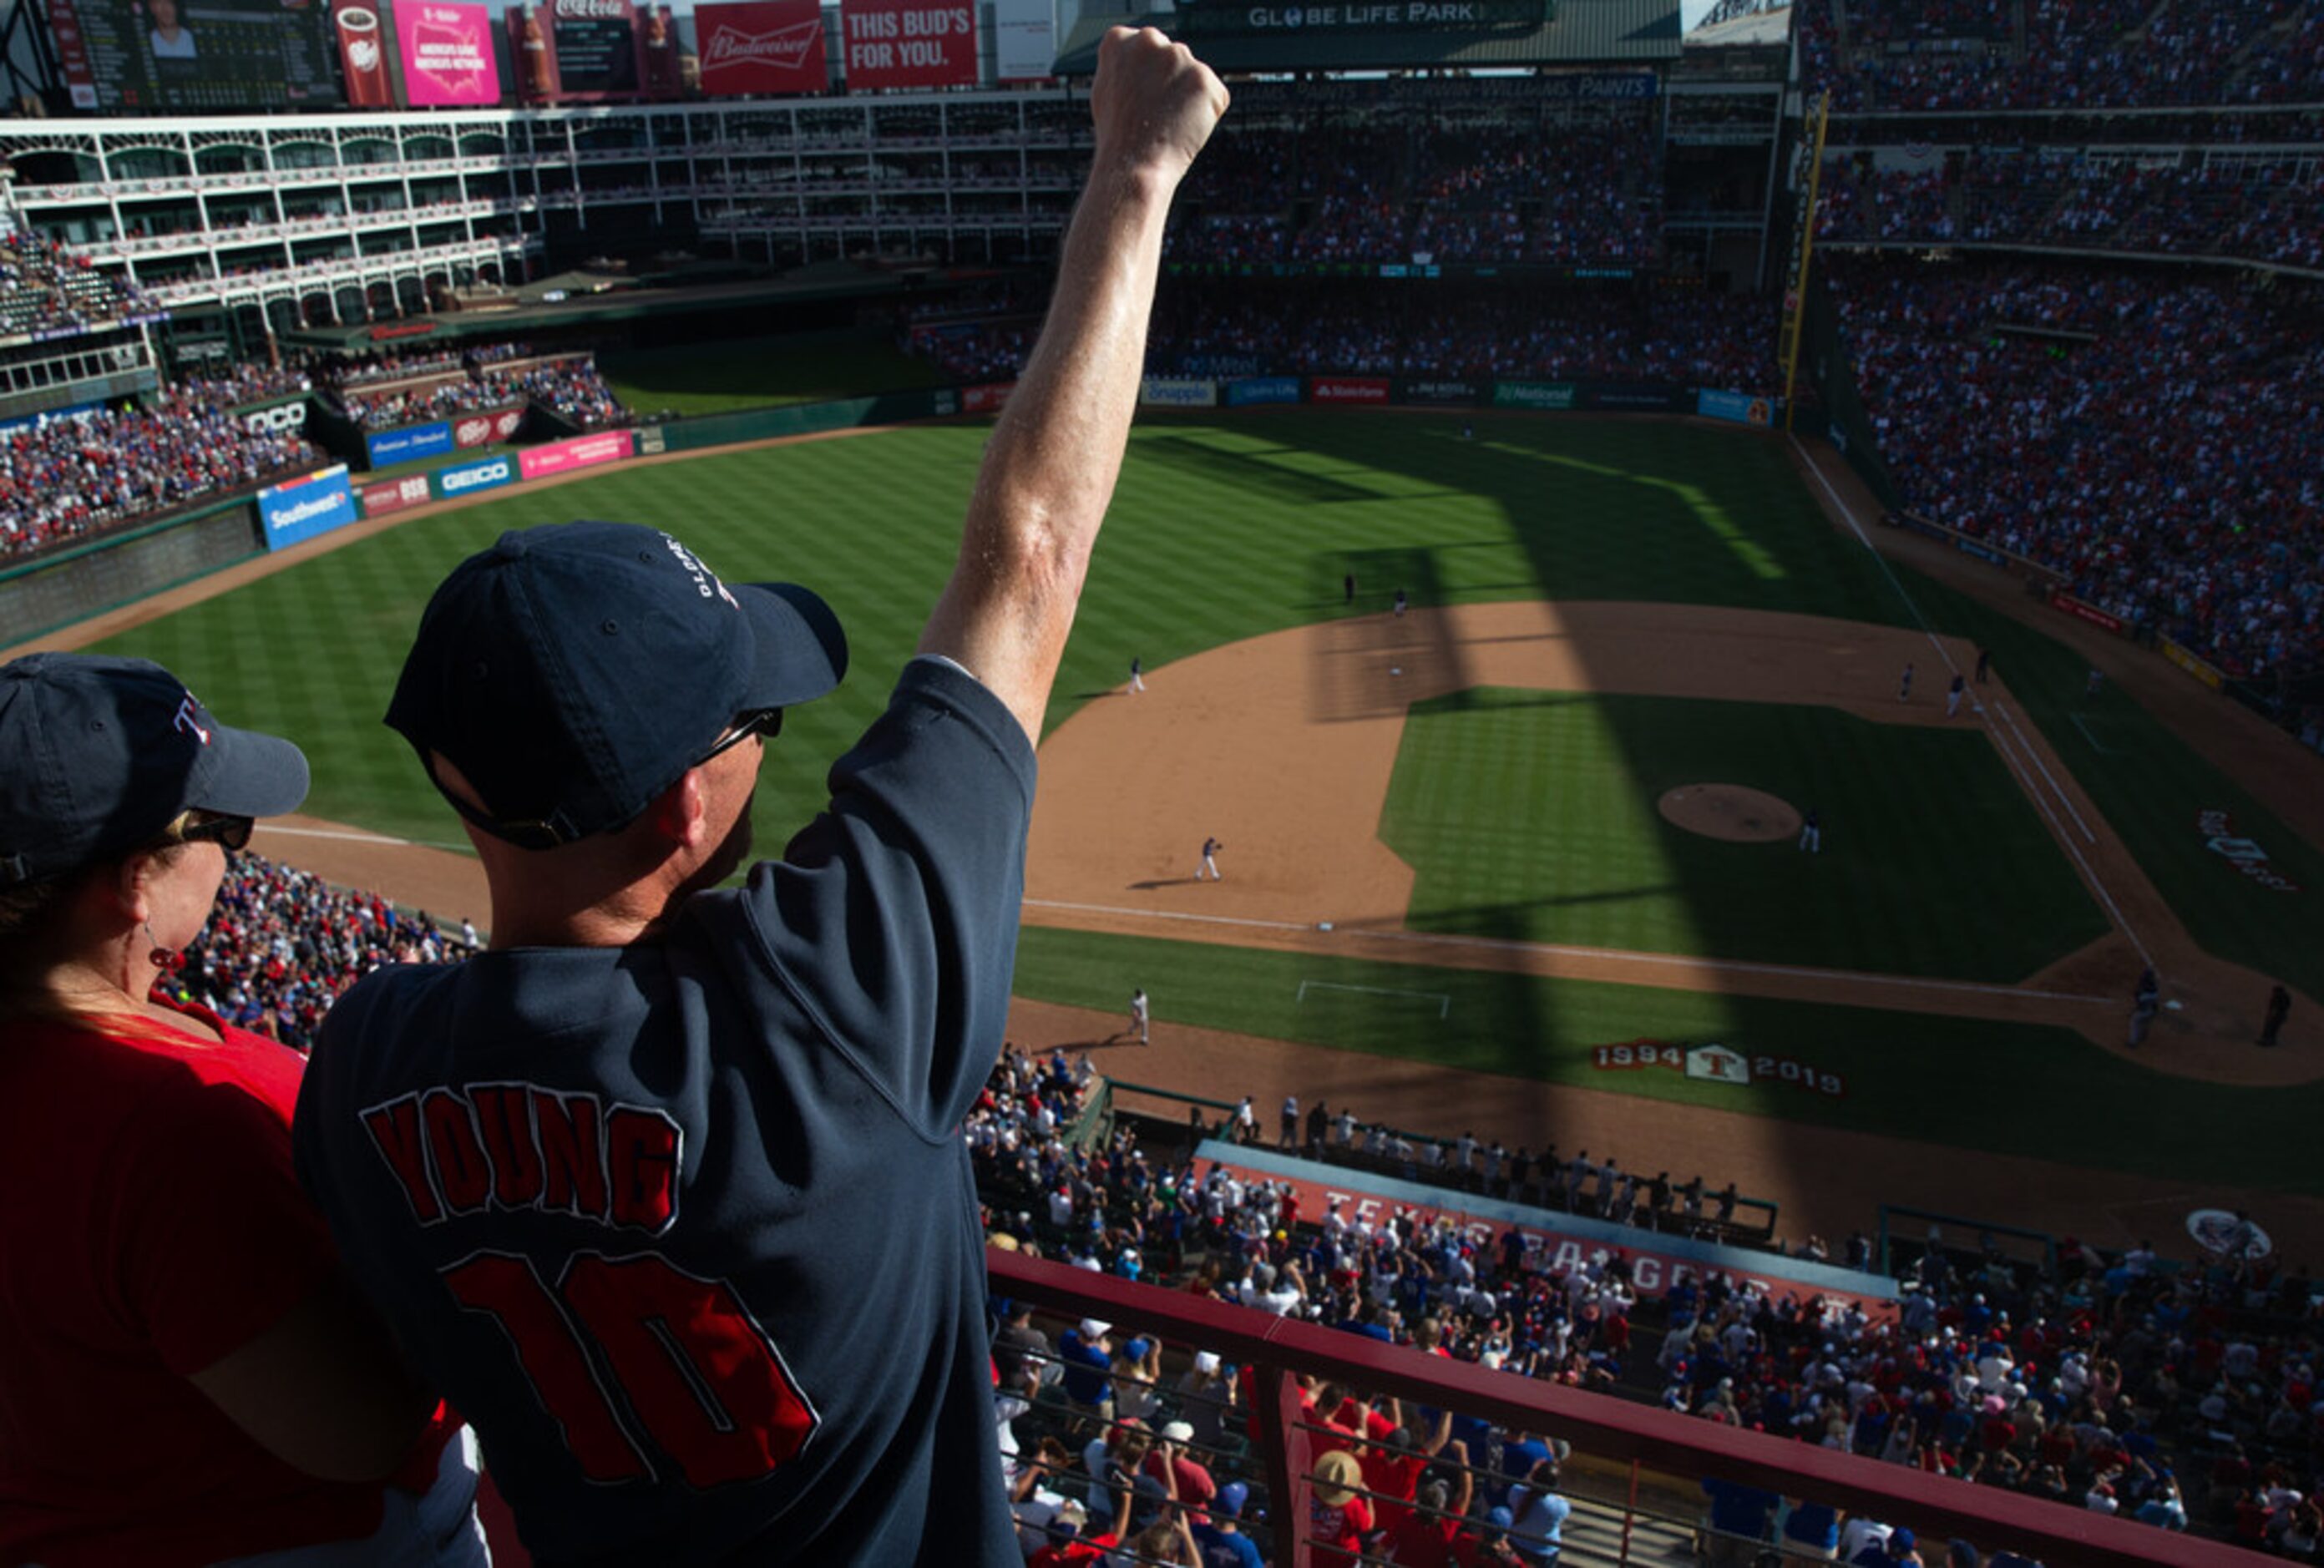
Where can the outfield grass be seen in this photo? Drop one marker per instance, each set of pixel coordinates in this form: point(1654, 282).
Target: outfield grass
point(1531, 816)
point(683, 379)
point(1218, 532)
point(1905, 1074)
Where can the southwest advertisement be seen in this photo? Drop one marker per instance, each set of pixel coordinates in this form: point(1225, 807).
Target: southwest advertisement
point(299, 509)
point(448, 55)
point(908, 43)
point(581, 452)
point(763, 46)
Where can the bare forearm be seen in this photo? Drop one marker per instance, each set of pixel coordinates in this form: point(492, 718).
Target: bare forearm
point(1057, 453)
point(1049, 471)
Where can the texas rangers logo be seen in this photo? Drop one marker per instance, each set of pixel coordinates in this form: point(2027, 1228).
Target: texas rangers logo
point(188, 720)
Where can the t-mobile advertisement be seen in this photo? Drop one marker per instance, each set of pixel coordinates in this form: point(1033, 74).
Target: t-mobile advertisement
point(909, 43)
point(448, 55)
point(766, 46)
point(581, 452)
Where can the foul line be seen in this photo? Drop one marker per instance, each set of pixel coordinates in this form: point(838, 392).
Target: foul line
point(2089, 873)
point(355, 837)
point(1614, 955)
point(2098, 745)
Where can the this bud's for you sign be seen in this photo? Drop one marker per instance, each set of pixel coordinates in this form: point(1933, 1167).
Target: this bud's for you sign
point(909, 43)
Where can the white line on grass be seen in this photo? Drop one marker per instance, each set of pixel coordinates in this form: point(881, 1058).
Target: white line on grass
point(355, 837)
point(2089, 873)
point(2102, 748)
point(1617, 955)
point(1443, 1002)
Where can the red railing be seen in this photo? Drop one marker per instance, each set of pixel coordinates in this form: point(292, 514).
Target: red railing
point(1597, 1425)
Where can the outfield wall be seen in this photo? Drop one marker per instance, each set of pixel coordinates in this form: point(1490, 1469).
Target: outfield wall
point(106, 574)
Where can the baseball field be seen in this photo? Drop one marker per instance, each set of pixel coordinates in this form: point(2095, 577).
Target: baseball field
point(1473, 850)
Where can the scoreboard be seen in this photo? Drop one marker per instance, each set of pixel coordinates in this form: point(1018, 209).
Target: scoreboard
point(144, 56)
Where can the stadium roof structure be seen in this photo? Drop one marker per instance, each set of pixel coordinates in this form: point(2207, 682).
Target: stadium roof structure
point(1755, 30)
point(1245, 36)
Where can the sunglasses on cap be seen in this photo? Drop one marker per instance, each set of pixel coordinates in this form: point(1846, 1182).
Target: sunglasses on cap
point(198, 826)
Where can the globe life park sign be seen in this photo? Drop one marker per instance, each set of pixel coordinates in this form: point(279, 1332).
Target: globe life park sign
point(1224, 18)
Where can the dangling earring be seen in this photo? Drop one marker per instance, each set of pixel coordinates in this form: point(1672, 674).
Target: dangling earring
point(167, 960)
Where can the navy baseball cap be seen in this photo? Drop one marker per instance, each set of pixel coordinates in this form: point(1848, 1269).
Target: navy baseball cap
point(575, 672)
point(97, 755)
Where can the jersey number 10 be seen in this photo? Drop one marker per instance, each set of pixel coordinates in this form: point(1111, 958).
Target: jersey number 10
point(696, 1369)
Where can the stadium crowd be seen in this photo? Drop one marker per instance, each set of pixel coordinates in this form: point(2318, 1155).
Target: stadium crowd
point(1329, 191)
point(1306, 327)
point(570, 386)
point(64, 475)
point(2148, 437)
point(2076, 54)
point(2258, 210)
point(2182, 1397)
point(283, 943)
point(46, 289)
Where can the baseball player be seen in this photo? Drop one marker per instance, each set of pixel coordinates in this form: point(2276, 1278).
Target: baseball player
point(1139, 1014)
point(1402, 603)
point(1811, 833)
point(665, 1189)
point(1953, 694)
point(1210, 866)
point(1348, 586)
point(1137, 675)
point(1904, 684)
point(187, 1377)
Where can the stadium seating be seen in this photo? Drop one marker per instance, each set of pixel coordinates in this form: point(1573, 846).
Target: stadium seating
point(45, 289)
point(2146, 436)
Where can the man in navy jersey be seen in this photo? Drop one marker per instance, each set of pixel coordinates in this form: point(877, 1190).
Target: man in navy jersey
point(666, 1190)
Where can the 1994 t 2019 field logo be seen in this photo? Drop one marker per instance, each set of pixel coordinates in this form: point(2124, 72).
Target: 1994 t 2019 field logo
point(1715, 1064)
point(2219, 830)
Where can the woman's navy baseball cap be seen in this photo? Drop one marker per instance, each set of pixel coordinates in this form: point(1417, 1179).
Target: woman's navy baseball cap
point(575, 672)
point(98, 755)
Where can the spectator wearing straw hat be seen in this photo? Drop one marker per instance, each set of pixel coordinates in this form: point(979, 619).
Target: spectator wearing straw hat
point(1338, 1519)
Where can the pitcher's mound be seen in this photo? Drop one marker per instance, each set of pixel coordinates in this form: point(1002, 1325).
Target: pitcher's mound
point(1730, 812)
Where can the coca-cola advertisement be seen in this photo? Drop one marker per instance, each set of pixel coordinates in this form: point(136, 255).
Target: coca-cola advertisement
point(576, 50)
point(909, 43)
point(762, 46)
point(658, 52)
point(447, 54)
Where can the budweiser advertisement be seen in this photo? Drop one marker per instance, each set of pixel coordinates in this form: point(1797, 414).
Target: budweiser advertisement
point(908, 43)
point(448, 55)
point(764, 46)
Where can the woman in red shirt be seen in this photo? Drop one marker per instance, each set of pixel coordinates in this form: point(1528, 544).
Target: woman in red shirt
point(189, 1379)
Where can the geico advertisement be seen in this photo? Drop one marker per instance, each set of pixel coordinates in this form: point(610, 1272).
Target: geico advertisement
point(470, 477)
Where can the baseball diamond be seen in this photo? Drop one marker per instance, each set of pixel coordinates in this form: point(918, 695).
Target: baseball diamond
point(1482, 829)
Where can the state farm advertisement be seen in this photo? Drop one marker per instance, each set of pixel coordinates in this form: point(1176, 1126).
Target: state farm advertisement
point(448, 55)
point(908, 43)
point(764, 46)
point(581, 452)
